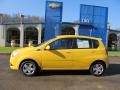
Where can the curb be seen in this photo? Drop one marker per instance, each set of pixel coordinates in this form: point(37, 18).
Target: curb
point(5, 53)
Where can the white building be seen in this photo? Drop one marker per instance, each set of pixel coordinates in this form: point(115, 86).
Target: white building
point(23, 33)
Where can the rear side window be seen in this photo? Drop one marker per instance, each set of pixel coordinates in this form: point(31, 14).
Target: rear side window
point(87, 43)
point(84, 43)
point(95, 43)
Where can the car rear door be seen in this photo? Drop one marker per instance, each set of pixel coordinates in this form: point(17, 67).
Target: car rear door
point(83, 54)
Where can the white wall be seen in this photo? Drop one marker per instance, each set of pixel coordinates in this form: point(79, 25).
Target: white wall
point(2, 35)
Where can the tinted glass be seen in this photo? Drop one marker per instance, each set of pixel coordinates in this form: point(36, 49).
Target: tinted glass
point(84, 43)
point(66, 43)
point(87, 43)
point(95, 43)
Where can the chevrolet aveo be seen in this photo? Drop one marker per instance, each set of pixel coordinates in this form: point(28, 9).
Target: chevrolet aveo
point(65, 52)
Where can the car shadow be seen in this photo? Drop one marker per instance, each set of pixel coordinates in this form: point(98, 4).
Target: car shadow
point(114, 69)
point(58, 54)
point(63, 72)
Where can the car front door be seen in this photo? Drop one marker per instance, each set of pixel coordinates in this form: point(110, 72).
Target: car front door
point(59, 56)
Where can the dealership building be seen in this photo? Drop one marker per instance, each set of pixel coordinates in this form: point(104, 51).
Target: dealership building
point(23, 33)
point(92, 22)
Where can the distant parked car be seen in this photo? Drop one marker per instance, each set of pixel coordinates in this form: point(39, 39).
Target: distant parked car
point(67, 52)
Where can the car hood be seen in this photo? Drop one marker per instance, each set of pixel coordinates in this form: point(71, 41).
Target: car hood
point(26, 49)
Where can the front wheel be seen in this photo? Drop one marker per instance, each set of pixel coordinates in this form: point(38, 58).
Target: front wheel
point(97, 69)
point(29, 68)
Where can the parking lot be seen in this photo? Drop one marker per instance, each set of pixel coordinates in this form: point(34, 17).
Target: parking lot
point(59, 80)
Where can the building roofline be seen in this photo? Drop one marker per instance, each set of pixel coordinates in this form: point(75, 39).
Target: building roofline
point(71, 23)
point(114, 30)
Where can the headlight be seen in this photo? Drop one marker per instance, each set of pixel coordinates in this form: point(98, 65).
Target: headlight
point(15, 53)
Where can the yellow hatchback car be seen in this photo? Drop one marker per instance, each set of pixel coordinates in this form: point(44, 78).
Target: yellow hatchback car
point(67, 52)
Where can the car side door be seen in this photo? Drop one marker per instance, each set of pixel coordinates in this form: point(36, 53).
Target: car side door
point(59, 56)
point(84, 53)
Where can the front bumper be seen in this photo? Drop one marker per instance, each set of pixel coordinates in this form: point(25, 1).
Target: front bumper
point(13, 63)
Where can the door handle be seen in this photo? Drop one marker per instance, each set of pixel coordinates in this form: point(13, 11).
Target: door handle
point(68, 52)
point(92, 51)
point(38, 50)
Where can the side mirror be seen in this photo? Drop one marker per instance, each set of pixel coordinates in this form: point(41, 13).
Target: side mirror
point(47, 48)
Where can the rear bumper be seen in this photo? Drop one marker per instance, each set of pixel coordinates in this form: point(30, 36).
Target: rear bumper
point(107, 62)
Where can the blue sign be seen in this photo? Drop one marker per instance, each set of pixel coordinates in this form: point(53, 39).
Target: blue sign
point(97, 17)
point(53, 19)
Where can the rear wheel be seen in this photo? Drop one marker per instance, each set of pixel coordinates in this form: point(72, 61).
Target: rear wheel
point(29, 68)
point(97, 69)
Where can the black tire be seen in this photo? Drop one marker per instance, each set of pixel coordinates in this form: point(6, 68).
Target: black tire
point(97, 69)
point(29, 68)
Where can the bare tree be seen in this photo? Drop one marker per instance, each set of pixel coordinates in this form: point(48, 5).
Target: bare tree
point(17, 19)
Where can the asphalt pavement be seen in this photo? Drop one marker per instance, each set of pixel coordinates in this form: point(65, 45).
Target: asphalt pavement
point(59, 80)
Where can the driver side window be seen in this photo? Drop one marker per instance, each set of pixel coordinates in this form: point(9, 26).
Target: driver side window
point(65, 43)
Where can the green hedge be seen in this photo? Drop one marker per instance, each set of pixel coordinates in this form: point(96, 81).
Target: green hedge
point(114, 53)
point(7, 49)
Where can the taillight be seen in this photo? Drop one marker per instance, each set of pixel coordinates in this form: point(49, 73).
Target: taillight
point(106, 51)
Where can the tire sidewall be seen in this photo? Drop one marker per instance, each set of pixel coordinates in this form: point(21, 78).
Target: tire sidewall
point(23, 63)
point(91, 69)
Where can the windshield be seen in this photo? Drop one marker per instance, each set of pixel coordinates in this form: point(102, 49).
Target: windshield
point(42, 43)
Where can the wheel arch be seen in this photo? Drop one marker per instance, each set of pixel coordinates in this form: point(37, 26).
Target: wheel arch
point(28, 59)
point(101, 61)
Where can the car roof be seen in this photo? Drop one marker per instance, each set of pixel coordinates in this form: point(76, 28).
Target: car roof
point(76, 36)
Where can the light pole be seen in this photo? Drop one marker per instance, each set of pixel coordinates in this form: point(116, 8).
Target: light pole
point(108, 26)
point(22, 18)
point(107, 36)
